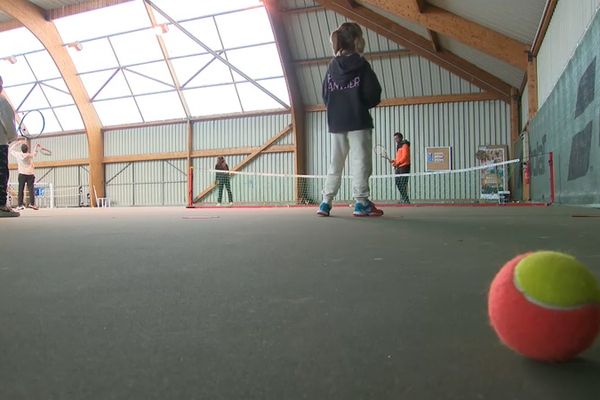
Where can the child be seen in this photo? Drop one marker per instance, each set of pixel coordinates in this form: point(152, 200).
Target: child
point(26, 171)
point(350, 89)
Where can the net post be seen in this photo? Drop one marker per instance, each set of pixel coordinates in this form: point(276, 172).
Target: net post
point(190, 202)
point(551, 169)
point(51, 195)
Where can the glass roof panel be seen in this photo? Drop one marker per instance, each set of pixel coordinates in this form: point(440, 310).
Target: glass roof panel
point(254, 99)
point(257, 62)
point(182, 9)
point(116, 87)
point(123, 17)
point(51, 124)
point(94, 55)
point(17, 94)
point(163, 106)
point(55, 96)
point(42, 65)
point(69, 118)
point(35, 100)
point(212, 100)
point(214, 74)
point(94, 81)
point(118, 112)
point(179, 44)
point(257, 28)
point(15, 73)
point(18, 41)
point(140, 84)
point(158, 71)
point(278, 87)
point(205, 31)
point(137, 47)
point(186, 68)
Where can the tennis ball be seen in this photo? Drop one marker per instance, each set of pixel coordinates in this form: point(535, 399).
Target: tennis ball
point(545, 305)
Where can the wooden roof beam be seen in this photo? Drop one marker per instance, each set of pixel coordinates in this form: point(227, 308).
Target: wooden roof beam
point(420, 6)
point(470, 33)
point(34, 19)
point(421, 46)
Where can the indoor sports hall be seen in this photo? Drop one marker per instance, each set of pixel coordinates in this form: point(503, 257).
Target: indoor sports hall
point(185, 220)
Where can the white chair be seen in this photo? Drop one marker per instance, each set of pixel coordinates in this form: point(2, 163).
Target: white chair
point(101, 202)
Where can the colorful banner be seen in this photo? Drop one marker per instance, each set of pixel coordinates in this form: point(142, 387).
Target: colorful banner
point(493, 179)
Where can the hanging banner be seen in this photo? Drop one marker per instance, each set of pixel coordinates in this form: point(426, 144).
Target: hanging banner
point(494, 180)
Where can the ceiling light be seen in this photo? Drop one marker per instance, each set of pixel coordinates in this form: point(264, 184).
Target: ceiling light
point(10, 59)
point(160, 29)
point(75, 45)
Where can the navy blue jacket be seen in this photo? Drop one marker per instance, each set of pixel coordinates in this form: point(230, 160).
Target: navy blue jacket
point(350, 89)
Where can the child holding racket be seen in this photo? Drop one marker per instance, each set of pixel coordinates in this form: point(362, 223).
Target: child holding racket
point(26, 170)
point(350, 89)
point(8, 133)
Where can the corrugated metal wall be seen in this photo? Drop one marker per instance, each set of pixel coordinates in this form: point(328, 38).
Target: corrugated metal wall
point(70, 147)
point(245, 132)
point(240, 132)
point(569, 23)
point(253, 189)
point(147, 183)
point(157, 183)
point(143, 140)
point(463, 126)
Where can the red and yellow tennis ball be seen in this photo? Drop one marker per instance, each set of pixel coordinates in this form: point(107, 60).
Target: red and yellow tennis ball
point(545, 305)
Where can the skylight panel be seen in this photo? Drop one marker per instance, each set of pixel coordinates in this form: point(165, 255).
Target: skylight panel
point(42, 65)
point(257, 28)
point(104, 21)
point(162, 106)
point(183, 9)
point(18, 41)
point(118, 112)
point(94, 55)
point(136, 47)
point(257, 62)
point(69, 118)
point(212, 100)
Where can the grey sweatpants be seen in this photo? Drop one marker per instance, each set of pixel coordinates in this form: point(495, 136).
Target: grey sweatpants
point(359, 144)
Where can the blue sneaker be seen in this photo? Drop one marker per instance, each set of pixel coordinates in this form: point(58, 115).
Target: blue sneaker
point(368, 210)
point(324, 209)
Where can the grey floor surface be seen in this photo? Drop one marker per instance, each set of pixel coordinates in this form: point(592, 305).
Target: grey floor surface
point(170, 303)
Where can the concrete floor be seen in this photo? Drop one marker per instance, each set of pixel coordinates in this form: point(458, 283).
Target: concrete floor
point(173, 303)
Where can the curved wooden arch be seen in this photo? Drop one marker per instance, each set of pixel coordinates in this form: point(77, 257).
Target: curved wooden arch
point(34, 19)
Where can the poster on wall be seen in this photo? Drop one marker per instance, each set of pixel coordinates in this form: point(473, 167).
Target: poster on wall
point(438, 159)
point(494, 179)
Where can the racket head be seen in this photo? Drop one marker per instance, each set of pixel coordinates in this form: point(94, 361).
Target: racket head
point(381, 151)
point(32, 124)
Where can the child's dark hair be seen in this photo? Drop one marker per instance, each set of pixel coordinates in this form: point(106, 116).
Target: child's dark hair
point(348, 38)
point(24, 148)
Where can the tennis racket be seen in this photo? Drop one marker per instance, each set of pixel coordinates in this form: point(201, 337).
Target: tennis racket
point(32, 124)
point(45, 151)
point(381, 151)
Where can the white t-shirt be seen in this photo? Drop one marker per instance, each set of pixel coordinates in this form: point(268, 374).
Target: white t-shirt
point(24, 160)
